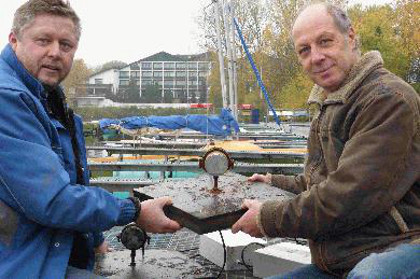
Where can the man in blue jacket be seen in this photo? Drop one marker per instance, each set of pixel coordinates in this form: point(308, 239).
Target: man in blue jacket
point(50, 222)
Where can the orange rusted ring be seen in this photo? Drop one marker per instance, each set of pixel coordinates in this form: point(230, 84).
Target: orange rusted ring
point(201, 163)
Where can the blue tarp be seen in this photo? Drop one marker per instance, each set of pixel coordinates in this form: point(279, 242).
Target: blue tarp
point(222, 125)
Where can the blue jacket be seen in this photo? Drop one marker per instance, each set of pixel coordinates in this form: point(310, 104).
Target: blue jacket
point(41, 206)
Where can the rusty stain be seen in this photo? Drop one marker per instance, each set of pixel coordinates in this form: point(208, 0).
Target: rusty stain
point(215, 191)
point(195, 200)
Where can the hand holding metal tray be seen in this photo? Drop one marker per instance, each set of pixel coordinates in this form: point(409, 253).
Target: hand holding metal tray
point(200, 210)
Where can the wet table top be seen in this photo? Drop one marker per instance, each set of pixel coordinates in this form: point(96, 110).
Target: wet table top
point(155, 264)
point(196, 208)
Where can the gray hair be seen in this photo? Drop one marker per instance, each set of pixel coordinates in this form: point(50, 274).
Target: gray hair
point(26, 13)
point(340, 17)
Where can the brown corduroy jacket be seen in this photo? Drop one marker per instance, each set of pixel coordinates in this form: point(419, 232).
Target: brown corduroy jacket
point(360, 190)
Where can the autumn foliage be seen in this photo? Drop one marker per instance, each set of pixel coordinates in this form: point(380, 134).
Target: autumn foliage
point(393, 29)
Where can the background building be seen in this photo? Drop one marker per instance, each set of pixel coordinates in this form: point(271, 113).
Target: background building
point(159, 78)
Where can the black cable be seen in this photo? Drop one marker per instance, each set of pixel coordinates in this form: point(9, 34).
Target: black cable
point(247, 266)
point(224, 260)
point(224, 255)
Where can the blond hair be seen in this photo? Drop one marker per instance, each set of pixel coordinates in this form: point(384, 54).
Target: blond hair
point(26, 13)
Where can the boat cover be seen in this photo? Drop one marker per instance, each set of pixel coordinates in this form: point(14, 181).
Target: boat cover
point(218, 125)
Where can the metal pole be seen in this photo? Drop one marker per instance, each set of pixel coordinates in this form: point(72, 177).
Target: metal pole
point(220, 52)
point(235, 66)
point(229, 57)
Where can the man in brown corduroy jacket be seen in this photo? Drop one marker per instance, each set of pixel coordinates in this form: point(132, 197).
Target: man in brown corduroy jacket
point(358, 200)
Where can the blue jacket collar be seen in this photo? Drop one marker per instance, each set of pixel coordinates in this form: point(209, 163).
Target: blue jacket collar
point(34, 85)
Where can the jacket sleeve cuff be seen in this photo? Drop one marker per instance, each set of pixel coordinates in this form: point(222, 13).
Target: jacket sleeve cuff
point(128, 211)
point(288, 183)
point(266, 219)
point(279, 180)
point(260, 226)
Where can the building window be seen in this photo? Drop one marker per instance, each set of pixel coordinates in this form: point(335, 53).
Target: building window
point(180, 65)
point(146, 82)
point(181, 82)
point(146, 65)
point(157, 74)
point(157, 65)
point(169, 83)
point(135, 74)
point(146, 74)
point(169, 66)
point(192, 74)
point(99, 81)
point(124, 82)
point(203, 66)
point(170, 74)
point(181, 74)
point(124, 74)
point(192, 66)
point(202, 74)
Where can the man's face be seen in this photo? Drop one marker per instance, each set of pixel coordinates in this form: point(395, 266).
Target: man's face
point(46, 47)
point(325, 53)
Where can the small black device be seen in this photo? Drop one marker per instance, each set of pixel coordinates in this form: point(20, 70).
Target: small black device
point(133, 238)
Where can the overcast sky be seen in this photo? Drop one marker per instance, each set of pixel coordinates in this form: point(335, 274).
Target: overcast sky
point(129, 30)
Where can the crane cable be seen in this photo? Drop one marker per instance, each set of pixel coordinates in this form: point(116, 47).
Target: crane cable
point(257, 74)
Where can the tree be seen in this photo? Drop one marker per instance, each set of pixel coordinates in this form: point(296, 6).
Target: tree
point(168, 97)
point(183, 96)
point(202, 98)
point(151, 94)
point(132, 92)
point(193, 97)
point(267, 33)
point(114, 64)
point(78, 75)
point(295, 93)
point(378, 31)
point(394, 32)
point(252, 17)
point(215, 92)
point(407, 16)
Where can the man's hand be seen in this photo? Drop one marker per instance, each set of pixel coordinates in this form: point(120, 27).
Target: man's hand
point(103, 248)
point(256, 177)
point(153, 219)
point(248, 222)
